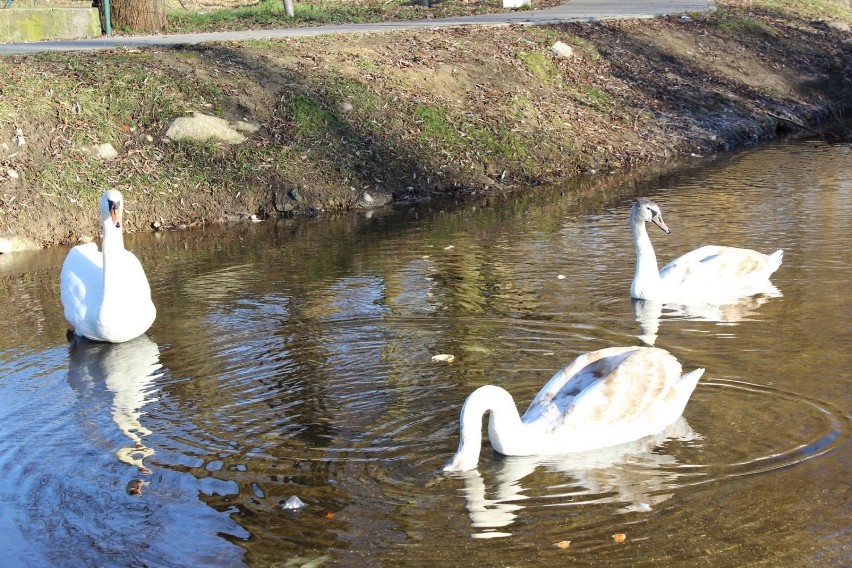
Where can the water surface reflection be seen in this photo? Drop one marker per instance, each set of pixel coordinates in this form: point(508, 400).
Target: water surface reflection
point(637, 476)
point(129, 371)
point(295, 358)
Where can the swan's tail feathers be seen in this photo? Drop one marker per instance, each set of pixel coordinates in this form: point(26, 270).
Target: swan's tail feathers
point(690, 379)
point(686, 385)
point(775, 260)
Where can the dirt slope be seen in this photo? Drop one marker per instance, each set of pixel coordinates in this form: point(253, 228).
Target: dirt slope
point(350, 122)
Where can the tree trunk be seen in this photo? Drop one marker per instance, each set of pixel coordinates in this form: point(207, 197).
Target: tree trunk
point(288, 8)
point(138, 15)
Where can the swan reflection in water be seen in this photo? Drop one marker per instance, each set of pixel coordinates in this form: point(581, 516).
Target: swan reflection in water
point(128, 371)
point(649, 313)
point(635, 475)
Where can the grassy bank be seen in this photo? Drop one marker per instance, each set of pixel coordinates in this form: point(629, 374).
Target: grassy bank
point(270, 13)
point(351, 122)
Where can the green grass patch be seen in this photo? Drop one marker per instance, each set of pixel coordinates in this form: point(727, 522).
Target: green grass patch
point(806, 9)
point(267, 13)
point(547, 35)
point(457, 135)
point(93, 101)
point(364, 101)
point(270, 13)
point(503, 143)
point(436, 127)
point(738, 25)
point(588, 47)
point(83, 180)
point(522, 109)
point(308, 117)
point(591, 96)
point(540, 66)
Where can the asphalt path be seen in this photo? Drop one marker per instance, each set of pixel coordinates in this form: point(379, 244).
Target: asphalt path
point(570, 11)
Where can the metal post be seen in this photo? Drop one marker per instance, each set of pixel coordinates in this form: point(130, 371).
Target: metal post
point(107, 23)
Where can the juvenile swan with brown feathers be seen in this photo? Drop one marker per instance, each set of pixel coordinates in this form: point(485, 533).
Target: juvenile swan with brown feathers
point(604, 398)
point(709, 274)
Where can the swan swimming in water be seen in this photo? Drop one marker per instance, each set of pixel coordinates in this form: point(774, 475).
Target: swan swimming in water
point(604, 398)
point(105, 294)
point(707, 274)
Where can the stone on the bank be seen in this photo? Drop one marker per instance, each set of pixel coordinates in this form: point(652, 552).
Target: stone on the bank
point(17, 244)
point(369, 200)
point(202, 128)
point(102, 151)
point(245, 126)
point(285, 198)
point(561, 49)
point(839, 26)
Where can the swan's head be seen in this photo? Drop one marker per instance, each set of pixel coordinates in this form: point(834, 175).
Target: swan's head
point(644, 211)
point(112, 207)
point(462, 461)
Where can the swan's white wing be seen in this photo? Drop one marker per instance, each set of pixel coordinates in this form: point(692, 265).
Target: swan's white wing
point(575, 377)
point(127, 310)
point(627, 395)
point(81, 282)
point(717, 263)
point(134, 282)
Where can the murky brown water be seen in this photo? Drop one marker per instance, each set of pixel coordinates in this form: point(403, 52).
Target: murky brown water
point(295, 359)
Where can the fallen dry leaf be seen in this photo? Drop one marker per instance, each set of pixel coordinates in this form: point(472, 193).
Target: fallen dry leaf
point(619, 537)
point(563, 544)
point(329, 515)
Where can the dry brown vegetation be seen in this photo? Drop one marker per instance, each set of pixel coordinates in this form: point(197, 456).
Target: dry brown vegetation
point(349, 122)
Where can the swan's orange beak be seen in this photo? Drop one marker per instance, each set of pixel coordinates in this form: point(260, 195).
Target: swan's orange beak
point(115, 213)
point(658, 221)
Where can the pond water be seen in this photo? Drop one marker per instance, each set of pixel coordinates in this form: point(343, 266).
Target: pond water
point(295, 358)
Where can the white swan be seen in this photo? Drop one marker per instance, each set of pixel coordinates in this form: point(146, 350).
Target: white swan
point(106, 295)
point(604, 398)
point(707, 274)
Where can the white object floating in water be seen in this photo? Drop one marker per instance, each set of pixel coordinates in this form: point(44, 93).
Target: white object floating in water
point(293, 504)
point(561, 277)
point(444, 357)
point(449, 247)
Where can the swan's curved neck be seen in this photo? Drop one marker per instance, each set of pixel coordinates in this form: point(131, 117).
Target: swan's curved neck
point(647, 276)
point(113, 241)
point(504, 425)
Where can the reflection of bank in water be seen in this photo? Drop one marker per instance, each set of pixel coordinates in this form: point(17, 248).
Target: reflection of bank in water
point(636, 475)
point(649, 313)
point(128, 371)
